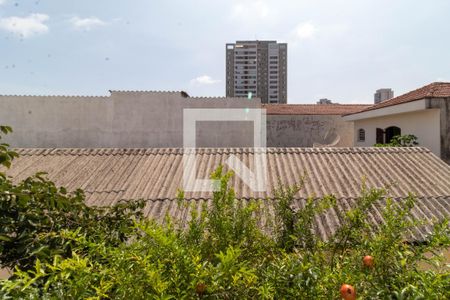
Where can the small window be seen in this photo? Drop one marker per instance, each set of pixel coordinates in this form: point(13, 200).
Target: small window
point(361, 135)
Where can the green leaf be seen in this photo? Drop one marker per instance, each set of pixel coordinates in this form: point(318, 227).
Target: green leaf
point(5, 238)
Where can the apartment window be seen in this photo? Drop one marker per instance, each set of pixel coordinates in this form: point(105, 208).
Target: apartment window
point(361, 135)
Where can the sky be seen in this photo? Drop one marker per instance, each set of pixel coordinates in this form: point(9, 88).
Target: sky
point(342, 50)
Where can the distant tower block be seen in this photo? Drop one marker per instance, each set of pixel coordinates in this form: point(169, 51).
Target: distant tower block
point(324, 101)
point(259, 68)
point(383, 95)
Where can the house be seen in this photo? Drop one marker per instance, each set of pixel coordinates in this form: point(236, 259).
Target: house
point(424, 112)
point(110, 175)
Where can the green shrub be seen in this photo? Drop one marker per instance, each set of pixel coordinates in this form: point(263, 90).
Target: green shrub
point(406, 140)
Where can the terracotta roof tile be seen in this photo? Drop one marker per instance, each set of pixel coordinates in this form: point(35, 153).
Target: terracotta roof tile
point(432, 90)
point(313, 109)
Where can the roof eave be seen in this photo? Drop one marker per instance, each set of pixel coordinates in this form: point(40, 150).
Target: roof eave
point(416, 105)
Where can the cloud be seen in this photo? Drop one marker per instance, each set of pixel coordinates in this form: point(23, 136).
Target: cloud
point(2, 2)
point(25, 26)
point(204, 80)
point(305, 30)
point(87, 23)
point(250, 10)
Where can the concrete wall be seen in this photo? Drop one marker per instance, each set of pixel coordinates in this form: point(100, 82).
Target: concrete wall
point(305, 130)
point(152, 119)
point(125, 119)
point(425, 124)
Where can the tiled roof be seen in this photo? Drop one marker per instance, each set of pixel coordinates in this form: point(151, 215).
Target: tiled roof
point(109, 175)
point(314, 109)
point(432, 90)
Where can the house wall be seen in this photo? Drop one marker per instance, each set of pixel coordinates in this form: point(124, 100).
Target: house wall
point(305, 130)
point(152, 119)
point(444, 106)
point(425, 124)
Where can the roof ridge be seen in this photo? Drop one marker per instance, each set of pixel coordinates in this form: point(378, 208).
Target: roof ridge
point(295, 197)
point(336, 104)
point(145, 91)
point(223, 97)
point(241, 150)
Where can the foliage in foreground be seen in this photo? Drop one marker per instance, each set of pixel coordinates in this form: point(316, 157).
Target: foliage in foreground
point(61, 248)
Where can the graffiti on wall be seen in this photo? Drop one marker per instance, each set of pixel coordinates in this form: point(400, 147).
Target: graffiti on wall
point(308, 131)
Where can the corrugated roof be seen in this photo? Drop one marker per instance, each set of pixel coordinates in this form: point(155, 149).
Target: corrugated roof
point(314, 109)
point(432, 90)
point(109, 175)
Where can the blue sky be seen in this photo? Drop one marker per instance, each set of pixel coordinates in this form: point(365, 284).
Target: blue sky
point(340, 49)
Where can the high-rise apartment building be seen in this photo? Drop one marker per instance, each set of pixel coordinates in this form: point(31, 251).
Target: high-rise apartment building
point(257, 69)
point(382, 95)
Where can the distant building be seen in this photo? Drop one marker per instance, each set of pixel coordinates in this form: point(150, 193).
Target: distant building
point(324, 101)
point(382, 95)
point(257, 69)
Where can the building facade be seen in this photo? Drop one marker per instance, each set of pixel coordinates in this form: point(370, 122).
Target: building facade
point(383, 95)
point(324, 101)
point(257, 69)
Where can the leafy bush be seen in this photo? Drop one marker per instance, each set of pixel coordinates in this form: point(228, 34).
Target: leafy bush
point(406, 140)
point(6, 155)
point(60, 248)
point(34, 211)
